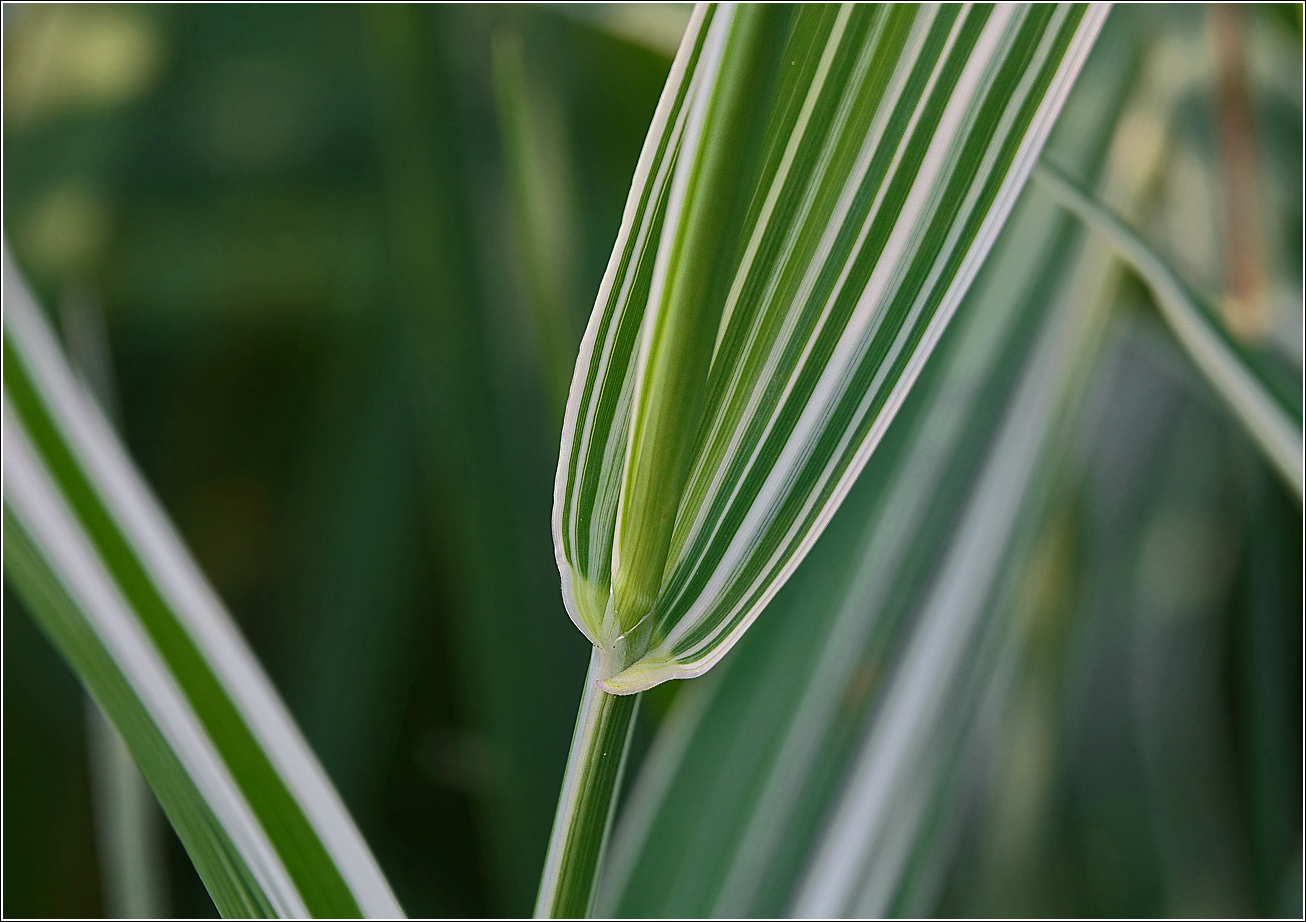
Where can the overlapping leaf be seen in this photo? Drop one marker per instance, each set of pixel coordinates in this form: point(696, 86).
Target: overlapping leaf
point(101, 570)
point(763, 318)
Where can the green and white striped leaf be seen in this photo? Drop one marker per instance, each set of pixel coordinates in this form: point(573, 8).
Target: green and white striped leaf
point(814, 771)
point(872, 662)
point(98, 565)
point(1273, 417)
point(817, 190)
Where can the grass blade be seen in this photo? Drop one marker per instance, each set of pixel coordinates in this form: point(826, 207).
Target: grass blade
point(1273, 424)
point(860, 860)
point(691, 484)
point(100, 567)
point(816, 192)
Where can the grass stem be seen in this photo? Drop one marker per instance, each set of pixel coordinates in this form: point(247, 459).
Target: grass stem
point(589, 793)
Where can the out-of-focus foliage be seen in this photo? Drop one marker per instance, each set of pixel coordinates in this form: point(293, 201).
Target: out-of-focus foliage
point(333, 263)
point(294, 227)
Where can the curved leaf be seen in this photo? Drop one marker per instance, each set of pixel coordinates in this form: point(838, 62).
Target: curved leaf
point(769, 305)
point(101, 570)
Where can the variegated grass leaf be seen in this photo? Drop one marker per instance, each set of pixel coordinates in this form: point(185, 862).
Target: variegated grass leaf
point(741, 365)
point(817, 190)
point(99, 567)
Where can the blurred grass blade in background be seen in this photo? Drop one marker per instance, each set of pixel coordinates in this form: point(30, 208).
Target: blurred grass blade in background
point(101, 570)
point(1273, 419)
point(127, 821)
point(795, 241)
point(543, 197)
point(947, 663)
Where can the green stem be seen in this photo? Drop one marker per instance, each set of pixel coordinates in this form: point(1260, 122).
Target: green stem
point(589, 793)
